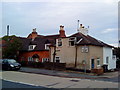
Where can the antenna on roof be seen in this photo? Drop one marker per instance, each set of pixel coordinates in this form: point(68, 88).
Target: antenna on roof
point(78, 26)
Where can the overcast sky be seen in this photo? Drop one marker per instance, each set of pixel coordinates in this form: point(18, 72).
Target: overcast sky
point(46, 16)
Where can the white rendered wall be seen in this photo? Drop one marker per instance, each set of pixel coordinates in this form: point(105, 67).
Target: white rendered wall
point(107, 52)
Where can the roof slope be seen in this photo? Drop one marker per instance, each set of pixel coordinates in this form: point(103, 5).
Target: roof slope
point(88, 40)
point(39, 41)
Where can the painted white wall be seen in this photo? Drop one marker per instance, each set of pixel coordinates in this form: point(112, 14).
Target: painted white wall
point(107, 52)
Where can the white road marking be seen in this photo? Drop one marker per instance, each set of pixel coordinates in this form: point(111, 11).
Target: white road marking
point(43, 80)
point(20, 82)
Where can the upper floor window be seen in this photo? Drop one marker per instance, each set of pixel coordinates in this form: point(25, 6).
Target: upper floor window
point(31, 47)
point(72, 41)
point(59, 42)
point(47, 46)
point(84, 49)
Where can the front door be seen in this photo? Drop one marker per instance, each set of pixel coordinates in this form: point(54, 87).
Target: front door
point(92, 63)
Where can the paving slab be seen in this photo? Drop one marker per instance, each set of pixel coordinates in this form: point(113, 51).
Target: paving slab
point(111, 76)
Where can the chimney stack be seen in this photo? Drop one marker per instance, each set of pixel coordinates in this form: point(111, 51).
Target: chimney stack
point(80, 25)
point(33, 35)
point(83, 30)
point(61, 31)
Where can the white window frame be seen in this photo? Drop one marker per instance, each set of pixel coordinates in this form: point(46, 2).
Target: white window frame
point(47, 46)
point(45, 59)
point(59, 42)
point(85, 49)
point(71, 39)
point(32, 47)
point(30, 59)
point(58, 59)
point(107, 60)
point(98, 60)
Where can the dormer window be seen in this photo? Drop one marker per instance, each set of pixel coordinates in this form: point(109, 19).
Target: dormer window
point(32, 47)
point(72, 41)
point(59, 42)
point(47, 46)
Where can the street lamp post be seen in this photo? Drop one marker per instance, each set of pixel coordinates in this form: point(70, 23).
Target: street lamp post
point(54, 56)
point(85, 50)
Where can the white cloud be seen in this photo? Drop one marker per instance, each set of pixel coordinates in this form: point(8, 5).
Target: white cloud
point(47, 17)
point(105, 1)
point(109, 30)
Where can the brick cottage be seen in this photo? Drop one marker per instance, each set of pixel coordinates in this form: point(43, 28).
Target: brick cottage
point(36, 47)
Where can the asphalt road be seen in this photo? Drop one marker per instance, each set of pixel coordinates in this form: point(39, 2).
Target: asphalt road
point(21, 79)
point(9, 84)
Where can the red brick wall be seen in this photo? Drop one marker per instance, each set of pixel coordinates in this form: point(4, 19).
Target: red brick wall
point(42, 54)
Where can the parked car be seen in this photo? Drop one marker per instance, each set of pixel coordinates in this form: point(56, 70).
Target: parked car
point(10, 64)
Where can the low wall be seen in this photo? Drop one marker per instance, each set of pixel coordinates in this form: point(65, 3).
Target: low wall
point(46, 65)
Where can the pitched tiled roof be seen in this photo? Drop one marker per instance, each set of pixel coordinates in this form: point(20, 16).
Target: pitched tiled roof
point(39, 41)
point(25, 42)
point(88, 40)
point(51, 38)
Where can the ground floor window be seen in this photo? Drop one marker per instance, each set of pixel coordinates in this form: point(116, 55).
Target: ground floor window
point(92, 63)
point(107, 60)
point(45, 59)
point(30, 59)
point(98, 61)
point(58, 59)
point(36, 60)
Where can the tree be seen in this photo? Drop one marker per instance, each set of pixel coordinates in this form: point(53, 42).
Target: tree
point(116, 51)
point(13, 45)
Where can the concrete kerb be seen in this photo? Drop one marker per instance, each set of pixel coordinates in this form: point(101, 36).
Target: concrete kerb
point(63, 75)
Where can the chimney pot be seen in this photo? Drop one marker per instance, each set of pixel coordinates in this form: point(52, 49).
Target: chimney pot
point(61, 27)
point(34, 30)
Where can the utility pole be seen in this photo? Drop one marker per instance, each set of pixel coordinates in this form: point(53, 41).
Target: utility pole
point(7, 30)
point(54, 56)
point(78, 25)
point(75, 56)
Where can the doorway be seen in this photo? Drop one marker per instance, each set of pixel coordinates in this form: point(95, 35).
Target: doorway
point(92, 63)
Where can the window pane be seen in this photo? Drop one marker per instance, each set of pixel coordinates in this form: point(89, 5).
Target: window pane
point(59, 42)
point(107, 59)
point(57, 59)
point(72, 41)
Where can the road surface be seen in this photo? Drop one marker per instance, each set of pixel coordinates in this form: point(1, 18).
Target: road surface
point(38, 80)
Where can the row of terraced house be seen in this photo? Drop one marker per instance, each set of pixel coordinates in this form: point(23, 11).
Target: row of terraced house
point(76, 50)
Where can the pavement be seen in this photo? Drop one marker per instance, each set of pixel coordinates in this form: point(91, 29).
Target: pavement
point(16, 79)
point(109, 76)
